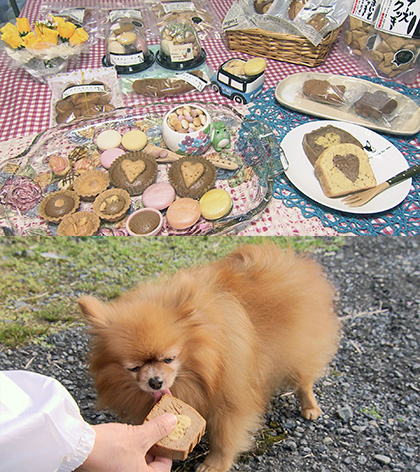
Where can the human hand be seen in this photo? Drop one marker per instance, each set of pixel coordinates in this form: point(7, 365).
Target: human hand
point(124, 448)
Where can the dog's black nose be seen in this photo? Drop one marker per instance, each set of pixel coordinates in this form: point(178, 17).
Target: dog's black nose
point(156, 383)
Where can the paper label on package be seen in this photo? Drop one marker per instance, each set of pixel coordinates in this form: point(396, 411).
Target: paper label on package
point(77, 14)
point(124, 13)
point(88, 88)
point(365, 10)
point(181, 52)
point(197, 82)
point(169, 7)
point(126, 59)
point(400, 17)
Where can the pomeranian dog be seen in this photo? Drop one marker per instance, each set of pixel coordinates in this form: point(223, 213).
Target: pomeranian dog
point(222, 337)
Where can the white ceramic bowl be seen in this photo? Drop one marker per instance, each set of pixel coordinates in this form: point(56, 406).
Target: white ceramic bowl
point(192, 143)
point(144, 222)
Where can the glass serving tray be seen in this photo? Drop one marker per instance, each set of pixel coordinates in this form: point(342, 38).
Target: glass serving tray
point(26, 178)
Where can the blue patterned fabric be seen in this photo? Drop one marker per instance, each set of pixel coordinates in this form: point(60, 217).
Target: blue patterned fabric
point(401, 220)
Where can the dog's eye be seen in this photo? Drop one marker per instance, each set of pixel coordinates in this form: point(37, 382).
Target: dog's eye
point(168, 360)
point(134, 369)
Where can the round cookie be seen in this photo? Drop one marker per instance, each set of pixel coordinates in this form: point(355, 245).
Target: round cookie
point(108, 139)
point(109, 156)
point(159, 196)
point(183, 213)
point(215, 203)
point(134, 140)
point(255, 66)
point(133, 171)
point(192, 176)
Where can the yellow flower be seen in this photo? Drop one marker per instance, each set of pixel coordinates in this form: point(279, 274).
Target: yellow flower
point(12, 39)
point(9, 28)
point(23, 25)
point(58, 20)
point(66, 29)
point(79, 36)
point(45, 34)
point(29, 39)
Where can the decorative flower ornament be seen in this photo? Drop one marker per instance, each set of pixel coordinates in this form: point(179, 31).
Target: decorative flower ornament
point(45, 48)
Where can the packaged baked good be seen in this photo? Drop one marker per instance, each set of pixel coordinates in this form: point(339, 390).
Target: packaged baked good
point(386, 36)
point(320, 90)
point(199, 12)
point(376, 106)
point(187, 434)
point(83, 93)
point(126, 46)
point(180, 47)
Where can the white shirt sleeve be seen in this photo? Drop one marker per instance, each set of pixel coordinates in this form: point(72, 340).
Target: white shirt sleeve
point(41, 429)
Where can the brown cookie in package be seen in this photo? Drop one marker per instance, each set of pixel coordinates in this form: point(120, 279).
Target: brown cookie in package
point(83, 100)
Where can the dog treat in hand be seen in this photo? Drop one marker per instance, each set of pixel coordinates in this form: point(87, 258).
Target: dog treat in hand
point(186, 435)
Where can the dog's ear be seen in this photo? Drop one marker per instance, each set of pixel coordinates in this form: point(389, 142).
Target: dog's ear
point(94, 311)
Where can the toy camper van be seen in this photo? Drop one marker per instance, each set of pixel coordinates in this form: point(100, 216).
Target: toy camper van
point(239, 80)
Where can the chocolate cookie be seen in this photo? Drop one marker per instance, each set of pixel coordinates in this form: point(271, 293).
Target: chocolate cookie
point(133, 171)
point(192, 176)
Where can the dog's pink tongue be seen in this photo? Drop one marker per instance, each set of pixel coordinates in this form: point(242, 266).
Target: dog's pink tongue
point(159, 394)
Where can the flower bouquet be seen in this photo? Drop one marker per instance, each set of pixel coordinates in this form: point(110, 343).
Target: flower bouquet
point(45, 49)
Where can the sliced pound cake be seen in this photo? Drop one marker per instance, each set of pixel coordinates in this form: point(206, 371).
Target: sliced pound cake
point(315, 142)
point(343, 169)
point(186, 435)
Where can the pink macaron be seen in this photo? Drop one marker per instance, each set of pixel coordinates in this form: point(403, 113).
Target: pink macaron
point(109, 156)
point(159, 196)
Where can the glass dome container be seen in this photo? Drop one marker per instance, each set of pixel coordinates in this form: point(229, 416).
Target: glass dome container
point(180, 48)
point(126, 47)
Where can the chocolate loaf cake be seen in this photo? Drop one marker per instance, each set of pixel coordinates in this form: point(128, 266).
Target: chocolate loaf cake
point(187, 434)
point(342, 169)
point(315, 142)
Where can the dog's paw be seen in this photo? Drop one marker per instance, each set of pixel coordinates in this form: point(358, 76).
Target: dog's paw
point(205, 468)
point(311, 413)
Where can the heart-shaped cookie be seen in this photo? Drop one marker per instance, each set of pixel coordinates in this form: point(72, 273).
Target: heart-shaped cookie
point(348, 165)
point(191, 172)
point(132, 169)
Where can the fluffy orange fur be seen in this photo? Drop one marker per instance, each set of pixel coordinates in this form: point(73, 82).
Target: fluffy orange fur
point(222, 337)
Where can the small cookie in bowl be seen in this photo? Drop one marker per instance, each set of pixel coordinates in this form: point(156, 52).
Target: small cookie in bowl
point(192, 176)
point(112, 204)
point(187, 130)
point(133, 171)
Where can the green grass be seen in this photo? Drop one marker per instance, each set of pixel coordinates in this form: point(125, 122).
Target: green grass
point(42, 277)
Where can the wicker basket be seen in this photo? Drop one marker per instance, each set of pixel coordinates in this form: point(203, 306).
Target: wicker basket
point(281, 47)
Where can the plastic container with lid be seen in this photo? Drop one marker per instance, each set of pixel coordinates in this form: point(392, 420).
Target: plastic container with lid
point(180, 48)
point(126, 47)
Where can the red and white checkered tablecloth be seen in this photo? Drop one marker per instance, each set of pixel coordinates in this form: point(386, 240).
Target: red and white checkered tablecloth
point(25, 106)
point(25, 103)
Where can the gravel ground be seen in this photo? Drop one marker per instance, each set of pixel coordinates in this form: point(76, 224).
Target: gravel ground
point(370, 396)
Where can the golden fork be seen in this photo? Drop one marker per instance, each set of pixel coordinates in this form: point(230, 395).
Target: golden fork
point(361, 198)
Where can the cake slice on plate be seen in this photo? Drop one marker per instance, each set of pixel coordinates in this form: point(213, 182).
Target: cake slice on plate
point(344, 168)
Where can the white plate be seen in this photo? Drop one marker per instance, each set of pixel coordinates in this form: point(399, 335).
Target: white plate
point(405, 122)
point(386, 161)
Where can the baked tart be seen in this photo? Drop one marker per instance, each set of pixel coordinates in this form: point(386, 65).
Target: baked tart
point(55, 206)
point(82, 223)
point(90, 184)
point(112, 204)
point(192, 176)
point(133, 172)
